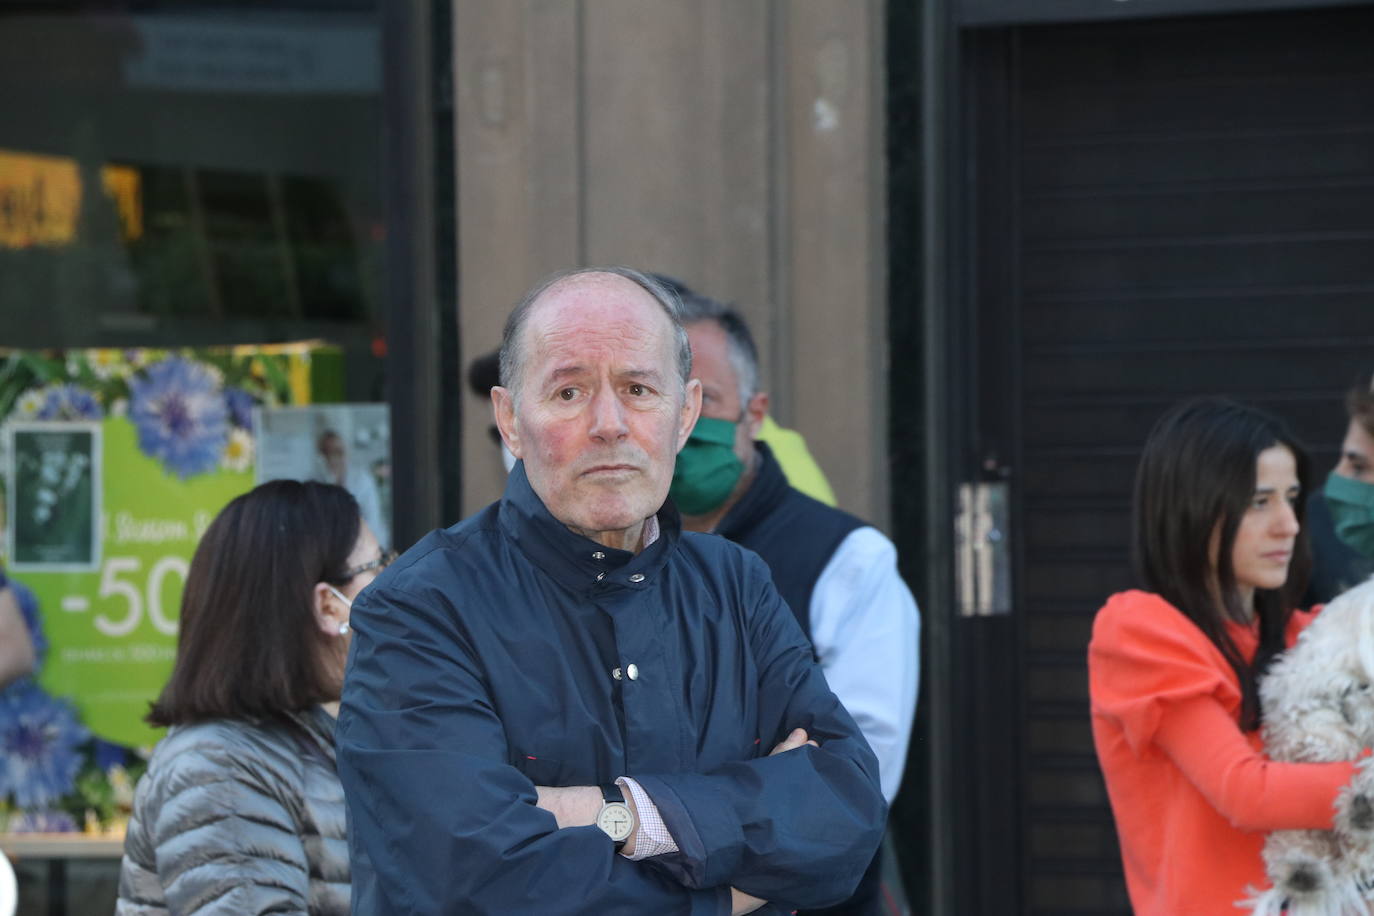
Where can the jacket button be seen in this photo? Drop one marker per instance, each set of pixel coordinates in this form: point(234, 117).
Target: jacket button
point(632, 672)
point(616, 673)
point(637, 577)
point(598, 555)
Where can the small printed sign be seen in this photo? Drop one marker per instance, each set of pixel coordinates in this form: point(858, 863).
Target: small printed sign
point(54, 476)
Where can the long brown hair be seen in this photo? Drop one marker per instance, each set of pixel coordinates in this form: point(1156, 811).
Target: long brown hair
point(248, 645)
point(1196, 480)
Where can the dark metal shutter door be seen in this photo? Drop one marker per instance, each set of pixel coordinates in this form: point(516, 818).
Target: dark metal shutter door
point(1195, 214)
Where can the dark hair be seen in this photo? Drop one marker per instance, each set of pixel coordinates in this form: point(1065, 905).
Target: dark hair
point(1359, 406)
point(1195, 482)
point(249, 646)
point(512, 354)
point(672, 284)
point(484, 373)
point(743, 353)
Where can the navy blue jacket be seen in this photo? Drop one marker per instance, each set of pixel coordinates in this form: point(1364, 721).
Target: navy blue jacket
point(482, 665)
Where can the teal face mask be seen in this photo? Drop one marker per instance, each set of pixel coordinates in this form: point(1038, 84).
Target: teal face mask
point(1352, 509)
point(707, 468)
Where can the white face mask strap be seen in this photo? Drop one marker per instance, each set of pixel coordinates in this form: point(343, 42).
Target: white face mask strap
point(348, 603)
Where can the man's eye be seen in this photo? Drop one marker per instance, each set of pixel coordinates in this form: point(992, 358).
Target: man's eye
point(638, 389)
point(568, 394)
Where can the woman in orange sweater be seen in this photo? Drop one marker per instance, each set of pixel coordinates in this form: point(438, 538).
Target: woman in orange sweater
point(1173, 670)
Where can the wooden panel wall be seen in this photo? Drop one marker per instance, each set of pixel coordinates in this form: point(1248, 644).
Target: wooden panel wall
point(733, 144)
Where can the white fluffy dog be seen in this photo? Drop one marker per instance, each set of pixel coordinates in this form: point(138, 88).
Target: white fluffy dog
point(1319, 706)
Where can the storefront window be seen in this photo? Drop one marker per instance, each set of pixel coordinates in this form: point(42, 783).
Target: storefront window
point(190, 176)
point(191, 262)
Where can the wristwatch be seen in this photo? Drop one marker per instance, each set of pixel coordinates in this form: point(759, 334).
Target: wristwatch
point(615, 818)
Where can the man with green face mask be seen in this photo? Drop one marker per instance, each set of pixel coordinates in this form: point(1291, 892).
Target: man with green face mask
point(1341, 517)
point(787, 445)
point(838, 574)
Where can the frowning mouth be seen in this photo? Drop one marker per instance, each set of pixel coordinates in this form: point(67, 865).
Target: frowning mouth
point(610, 469)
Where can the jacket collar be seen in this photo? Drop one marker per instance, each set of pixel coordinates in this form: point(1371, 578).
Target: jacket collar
point(316, 726)
point(766, 490)
point(576, 562)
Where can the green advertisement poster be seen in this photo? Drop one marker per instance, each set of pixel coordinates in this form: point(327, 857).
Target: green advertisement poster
point(112, 630)
point(114, 463)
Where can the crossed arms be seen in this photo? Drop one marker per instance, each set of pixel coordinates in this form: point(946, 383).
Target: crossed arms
point(441, 821)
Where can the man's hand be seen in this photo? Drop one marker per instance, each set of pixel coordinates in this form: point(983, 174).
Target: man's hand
point(740, 902)
point(578, 806)
point(795, 739)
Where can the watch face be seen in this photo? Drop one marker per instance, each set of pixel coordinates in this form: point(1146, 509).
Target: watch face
point(616, 821)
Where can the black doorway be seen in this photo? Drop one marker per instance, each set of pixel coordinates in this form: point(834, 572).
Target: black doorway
point(1140, 211)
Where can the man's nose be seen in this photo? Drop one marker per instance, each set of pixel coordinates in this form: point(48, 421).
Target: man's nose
point(608, 416)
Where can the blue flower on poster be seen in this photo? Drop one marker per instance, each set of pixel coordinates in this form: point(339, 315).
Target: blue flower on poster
point(42, 822)
point(64, 401)
point(180, 414)
point(39, 737)
point(28, 606)
point(240, 407)
point(108, 754)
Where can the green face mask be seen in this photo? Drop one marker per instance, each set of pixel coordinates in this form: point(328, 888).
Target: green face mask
point(1352, 509)
point(707, 467)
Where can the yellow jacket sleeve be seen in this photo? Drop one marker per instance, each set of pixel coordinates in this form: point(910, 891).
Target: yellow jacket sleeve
point(801, 469)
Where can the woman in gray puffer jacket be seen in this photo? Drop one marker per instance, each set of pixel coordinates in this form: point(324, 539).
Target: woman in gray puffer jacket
point(241, 810)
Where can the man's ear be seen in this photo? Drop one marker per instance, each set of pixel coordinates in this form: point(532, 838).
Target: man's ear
point(503, 411)
point(754, 412)
point(691, 410)
point(329, 610)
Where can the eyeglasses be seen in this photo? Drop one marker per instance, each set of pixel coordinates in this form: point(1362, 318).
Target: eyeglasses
point(384, 559)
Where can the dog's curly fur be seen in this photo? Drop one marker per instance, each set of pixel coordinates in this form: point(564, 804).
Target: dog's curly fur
point(1318, 701)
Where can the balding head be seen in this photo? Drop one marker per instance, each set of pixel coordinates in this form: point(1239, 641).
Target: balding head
point(513, 344)
point(598, 400)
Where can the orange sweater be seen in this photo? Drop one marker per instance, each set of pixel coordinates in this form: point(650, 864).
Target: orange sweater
point(1192, 794)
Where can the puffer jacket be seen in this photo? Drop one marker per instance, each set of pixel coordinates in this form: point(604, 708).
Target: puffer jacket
point(238, 817)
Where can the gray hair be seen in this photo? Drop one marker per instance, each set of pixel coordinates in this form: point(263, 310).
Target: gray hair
point(512, 358)
point(741, 351)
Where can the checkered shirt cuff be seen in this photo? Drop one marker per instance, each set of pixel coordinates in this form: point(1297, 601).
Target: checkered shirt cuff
point(653, 838)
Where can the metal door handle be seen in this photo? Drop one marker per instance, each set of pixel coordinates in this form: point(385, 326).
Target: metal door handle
point(983, 550)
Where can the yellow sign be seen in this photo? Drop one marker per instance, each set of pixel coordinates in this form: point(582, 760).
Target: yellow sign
point(40, 199)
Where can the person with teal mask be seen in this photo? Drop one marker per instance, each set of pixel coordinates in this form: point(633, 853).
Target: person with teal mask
point(1341, 516)
point(788, 446)
point(837, 574)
